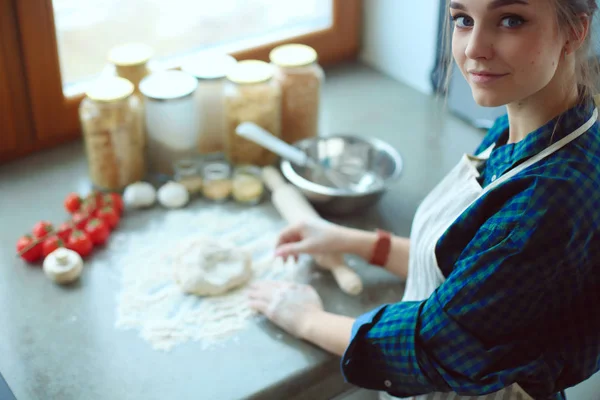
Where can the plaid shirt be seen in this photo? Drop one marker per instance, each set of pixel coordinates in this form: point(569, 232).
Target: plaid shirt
point(522, 293)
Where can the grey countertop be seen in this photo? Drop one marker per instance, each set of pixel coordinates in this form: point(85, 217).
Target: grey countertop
point(45, 353)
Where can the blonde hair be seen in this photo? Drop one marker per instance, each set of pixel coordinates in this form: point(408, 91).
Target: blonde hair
point(568, 14)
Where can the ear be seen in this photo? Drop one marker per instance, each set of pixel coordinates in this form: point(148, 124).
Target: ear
point(578, 34)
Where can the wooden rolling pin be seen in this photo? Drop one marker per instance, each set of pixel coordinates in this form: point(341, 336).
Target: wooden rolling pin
point(294, 207)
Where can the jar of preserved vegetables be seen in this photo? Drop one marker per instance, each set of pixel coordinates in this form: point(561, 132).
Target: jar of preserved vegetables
point(300, 77)
point(131, 62)
point(111, 119)
point(251, 95)
point(247, 184)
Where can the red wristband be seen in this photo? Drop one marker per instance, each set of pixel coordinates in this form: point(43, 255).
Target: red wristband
point(381, 250)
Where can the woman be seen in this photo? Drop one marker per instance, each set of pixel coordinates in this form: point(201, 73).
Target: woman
point(503, 262)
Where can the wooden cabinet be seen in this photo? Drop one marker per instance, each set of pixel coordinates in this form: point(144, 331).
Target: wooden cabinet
point(15, 120)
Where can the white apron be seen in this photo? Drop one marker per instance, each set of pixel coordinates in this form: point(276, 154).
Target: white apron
point(446, 202)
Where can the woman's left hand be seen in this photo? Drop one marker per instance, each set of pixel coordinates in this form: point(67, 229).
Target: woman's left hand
point(288, 305)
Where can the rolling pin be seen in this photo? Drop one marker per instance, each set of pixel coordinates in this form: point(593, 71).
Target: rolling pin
point(294, 207)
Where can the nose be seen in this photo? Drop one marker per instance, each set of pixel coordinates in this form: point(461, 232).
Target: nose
point(480, 44)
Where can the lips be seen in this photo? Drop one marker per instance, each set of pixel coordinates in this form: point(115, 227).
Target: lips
point(482, 77)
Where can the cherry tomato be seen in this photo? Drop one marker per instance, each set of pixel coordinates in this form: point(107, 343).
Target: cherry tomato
point(42, 229)
point(99, 197)
point(80, 243)
point(31, 255)
point(72, 202)
point(89, 207)
point(80, 220)
point(51, 244)
point(118, 202)
point(64, 231)
point(115, 200)
point(97, 230)
point(109, 216)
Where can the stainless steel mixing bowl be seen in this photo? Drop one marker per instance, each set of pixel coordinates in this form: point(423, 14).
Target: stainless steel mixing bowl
point(370, 164)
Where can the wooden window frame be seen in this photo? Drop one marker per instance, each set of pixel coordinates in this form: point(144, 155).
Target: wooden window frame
point(16, 130)
point(54, 117)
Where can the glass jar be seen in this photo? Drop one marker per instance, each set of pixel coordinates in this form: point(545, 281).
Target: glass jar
point(251, 95)
point(112, 125)
point(247, 185)
point(301, 79)
point(210, 70)
point(188, 172)
point(216, 177)
point(131, 62)
point(171, 119)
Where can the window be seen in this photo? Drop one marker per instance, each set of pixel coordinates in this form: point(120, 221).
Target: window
point(62, 43)
point(86, 30)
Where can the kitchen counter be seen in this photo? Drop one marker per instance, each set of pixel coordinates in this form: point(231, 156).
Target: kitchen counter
point(61, 343)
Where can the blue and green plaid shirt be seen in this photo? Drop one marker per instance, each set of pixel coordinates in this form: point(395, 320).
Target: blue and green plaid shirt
point(521, 300)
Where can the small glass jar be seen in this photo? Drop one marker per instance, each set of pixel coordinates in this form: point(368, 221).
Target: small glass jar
point(211, 71)
point(131, 62)
point(251, 95)
point(112, 126)
point(171, 119)
point(247, 187)
point(216, 177)
point(188, 172)
point(301, 79)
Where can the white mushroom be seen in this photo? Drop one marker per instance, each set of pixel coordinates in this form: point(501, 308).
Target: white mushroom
point(63, 266)
point(139, 195)
point(173, 195)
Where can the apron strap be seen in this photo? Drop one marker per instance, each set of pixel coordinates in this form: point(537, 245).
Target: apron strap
point(487, 152)
point(547, 151)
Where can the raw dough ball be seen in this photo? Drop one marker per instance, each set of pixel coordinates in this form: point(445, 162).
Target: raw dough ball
point(207, 267)
point(63, 266)
point(173, 195)
point(139, 195)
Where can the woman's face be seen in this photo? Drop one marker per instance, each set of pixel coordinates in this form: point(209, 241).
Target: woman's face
point(508, 50)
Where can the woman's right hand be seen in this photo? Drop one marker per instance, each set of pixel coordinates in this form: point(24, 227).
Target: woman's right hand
point(314, 236)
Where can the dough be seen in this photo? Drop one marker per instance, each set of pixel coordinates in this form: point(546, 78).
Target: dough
point(207, 267)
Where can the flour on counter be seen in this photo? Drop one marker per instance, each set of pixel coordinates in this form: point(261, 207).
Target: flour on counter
point(151, 302)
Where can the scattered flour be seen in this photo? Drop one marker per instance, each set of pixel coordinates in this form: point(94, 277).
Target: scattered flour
point(151, 302)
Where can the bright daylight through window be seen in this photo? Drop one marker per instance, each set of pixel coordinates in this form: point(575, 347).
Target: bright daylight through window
point(88, 29)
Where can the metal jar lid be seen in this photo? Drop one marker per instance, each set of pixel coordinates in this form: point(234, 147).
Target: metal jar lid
point(168, 85)
point(209, 66)
point(109, 89)
point(250, 71)
point(293, 55)
point(130, 54)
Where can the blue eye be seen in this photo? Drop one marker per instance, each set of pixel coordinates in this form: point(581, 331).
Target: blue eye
point(462, 21)
point(512, 22)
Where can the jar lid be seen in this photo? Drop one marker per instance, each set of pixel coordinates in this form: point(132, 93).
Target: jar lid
point(209, 66)
point(168, 85)
point(130, 54)
point(110, 88)
point(216, 170)
point(293, 55)
point(250, 71)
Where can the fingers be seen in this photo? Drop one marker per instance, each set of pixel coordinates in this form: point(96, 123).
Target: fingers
point(290, 234)
point(288, 250)
point(262, 289)
point(306, 246)
point(260, 306)
point(261, 295)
